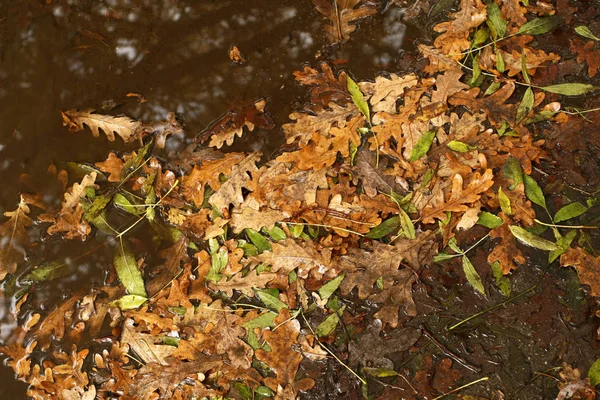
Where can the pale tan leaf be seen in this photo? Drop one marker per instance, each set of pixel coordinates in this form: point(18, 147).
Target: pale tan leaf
point(128, 129)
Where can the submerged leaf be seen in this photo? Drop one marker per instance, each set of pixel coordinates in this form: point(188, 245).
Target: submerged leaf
point(472, 275)
point(128, 272)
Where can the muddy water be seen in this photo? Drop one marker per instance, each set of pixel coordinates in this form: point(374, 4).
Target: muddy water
point(57, 55)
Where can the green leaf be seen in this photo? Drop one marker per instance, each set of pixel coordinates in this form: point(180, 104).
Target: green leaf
point(594, 373)
point(150, 202)
point(422, 146)
point(570, 211)
point(219, 260)
point(380, 372)
point(385, 228)
point(443, 257)
point(563, 243)
point(123, 203)
point(249, 249)
point(97, 207)
point(500, 66)
point(489, 220)
point(128, 272)
point(512, 170)
point(460, 147)
point(526, 105)
point(534, 192)
point(501, 280)
point(538, 26)
point(531, 239)
point(408, 228)
point(472, 275)
point(480, 37)
point(586, 33)
point(329, 325)
point(47, 272)
point(476, 72)
point(524, 69)
point(129, 302)
point(327, 289)
point(133, 163)
point(276, 233)
point(504, 202)
point(262, 321)
point(270, 301)
point(358, 98)
point(261, 243)
point(570, 89)
point(493, 88)
point(170, 341)
point(296, 230)
point(495, 21)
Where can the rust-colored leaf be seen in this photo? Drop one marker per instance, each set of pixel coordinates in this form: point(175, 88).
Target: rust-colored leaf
point(341, 14)
point(587, 266)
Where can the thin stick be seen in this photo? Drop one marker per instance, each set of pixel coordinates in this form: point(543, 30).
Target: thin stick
point(485, 378)
point(448, 352)
point(566, 226)
point(326, 226)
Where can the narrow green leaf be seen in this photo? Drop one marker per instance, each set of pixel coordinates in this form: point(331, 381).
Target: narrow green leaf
point(538, 26)
point(500, 66)
point(133, 163)
point(504, 202)
point(476, 72)
point(502, 281)
point(129, 302)
point(219, 260)
point(594, 373)
point(586, 33)
point(262, 321)
point(123, 203)
point(150, 201)
point(408, 228)
point(480, 37)
point(489, 220)
point(563, 243)
point(524, 69)
point(261, 243)
point(296, 230)
point(526, 105)
point(276, 233)
point(570, 211)
point(493, 88)
point(97, 207)
point(422, 146)
point(329, 324)
point(330, 287)
point(460, 147)
point(512, 170)
point(570, 89)
point(250, 250)
point(47, 272)
point(358, 98)
point(380, 372)
point(495, 21)
point(128, 272)
point(472, 275)
point(170, 341)
point(270, 301)
point(534, 192)
point(443, 257)
point(531, 239)
point(385, 228)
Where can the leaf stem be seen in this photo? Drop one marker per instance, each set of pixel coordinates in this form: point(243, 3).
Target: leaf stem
point(485, 378)
point(566, 226)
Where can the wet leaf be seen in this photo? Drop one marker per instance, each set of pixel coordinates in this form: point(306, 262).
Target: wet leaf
point(525, 106)
point(261, 243)
point(588, 267)
point(570, 89)
point(380, 372)
point(407, 226)
point(125, 127)
point(387, 227)
point(489, 220)
point(329, 324)
point(459, 146)
point(502, 281)
point(586, 33)
point(130, 302)
point(538, 26)
point(504, 202)
point(123, 203)
point(330, 287)
point(358, 99)
point(422, 146)
point(569, 211)
point(563, 243)
point(277, 233)
point(15, 239)
point(262, 321)
point(128, 272)
point(495, 21)
point(594, 373)
point(531, 239)
point(534, 192)
point(472, 275)
point(341, 14)
point(512, 170)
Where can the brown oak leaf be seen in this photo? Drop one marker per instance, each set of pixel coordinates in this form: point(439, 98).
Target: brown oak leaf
point(588, 52)
point(506, 252)
point(455, 37)
point(396, 293)
point(248, 217)
point(249, 117)
point(15, 239)
point(306, 125)
point(587, 266)
point(128, 129)
point(325, 87)
point(241, 177)
point(386, 91)
point(113, 165)
point(341, 14)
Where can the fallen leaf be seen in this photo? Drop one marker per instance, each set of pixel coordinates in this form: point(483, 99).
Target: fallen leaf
point(236, 55)
point(15, 239)
point(587, 266)
point(585, 51)
point(128, 129)
point(386, 91)
point(341, 13)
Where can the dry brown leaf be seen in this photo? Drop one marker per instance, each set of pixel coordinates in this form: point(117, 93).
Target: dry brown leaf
point(534, 60)
point(282, 358)
point(128, 129)
point(438, 60)
point(113, 166)
point(15, 239)
point(587, 266)
point(341, 13)
point(459, 197)
point(240, 177)
point(587, 51)
point(209, 173)
point(146, 346)
point(386, 91)
point(446, 85)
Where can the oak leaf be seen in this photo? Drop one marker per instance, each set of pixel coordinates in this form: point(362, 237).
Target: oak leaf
point(325, 87)
point(341, 13)
point(459, 198)
point(251, 116)
point(373, 174)
point(446, 85)
point(305, 125)
point(255, 219)
point(514, 12)
point(396, 293)
point(588, 267)
point(113, 165)
point(145, 345)
point(243, 283)
point(534, 60)
point(240, 177)
point(282, 358)
point(14, 239)
point(438, 60)
point(585, 51)
point(455, 37)
point(125, 127)
point(506, 252)
point(208, 173)
point(386, 91)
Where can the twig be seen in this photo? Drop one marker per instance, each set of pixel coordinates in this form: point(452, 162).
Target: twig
point(485, 378)
point(448, 352)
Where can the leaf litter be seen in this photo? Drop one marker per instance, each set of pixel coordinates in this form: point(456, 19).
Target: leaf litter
point(337, 253)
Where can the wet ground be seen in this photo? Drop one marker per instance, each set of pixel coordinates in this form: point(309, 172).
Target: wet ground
point(56, 55)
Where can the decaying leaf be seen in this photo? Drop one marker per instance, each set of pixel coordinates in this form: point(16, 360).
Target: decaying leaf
point(125, 127)
point(341, 14)
point(14, 239)
point(588, 267)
